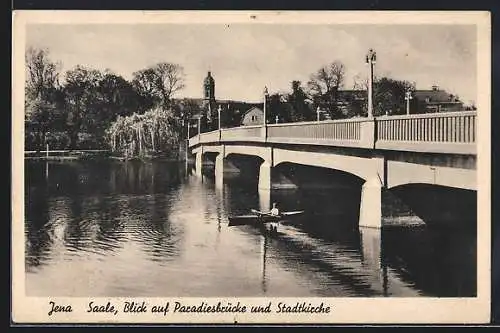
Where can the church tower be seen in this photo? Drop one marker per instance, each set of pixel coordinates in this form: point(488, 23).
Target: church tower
point(209, 87)
point(209, 98)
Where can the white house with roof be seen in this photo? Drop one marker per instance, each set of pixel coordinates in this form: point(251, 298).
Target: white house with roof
point(253, 116)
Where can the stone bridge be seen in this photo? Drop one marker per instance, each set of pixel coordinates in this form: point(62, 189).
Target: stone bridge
point(383, 152)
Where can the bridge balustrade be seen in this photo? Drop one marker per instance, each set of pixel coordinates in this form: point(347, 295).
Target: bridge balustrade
point(450, 127)
point(452, 132)
point(243, 133)
point(209, 137)
point(340, 132)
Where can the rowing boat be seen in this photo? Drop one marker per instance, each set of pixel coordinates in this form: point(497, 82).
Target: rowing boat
point(261, 218)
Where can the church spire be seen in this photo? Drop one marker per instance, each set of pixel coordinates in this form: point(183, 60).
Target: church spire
point(209, 87)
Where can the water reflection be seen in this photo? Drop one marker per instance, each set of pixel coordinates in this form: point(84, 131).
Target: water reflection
point(154, 229)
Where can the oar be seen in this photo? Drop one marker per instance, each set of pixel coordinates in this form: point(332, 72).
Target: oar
point(258, 212)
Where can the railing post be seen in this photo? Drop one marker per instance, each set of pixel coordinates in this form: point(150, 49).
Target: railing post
point(199, 128)
point(263, 133)
point(368, 133)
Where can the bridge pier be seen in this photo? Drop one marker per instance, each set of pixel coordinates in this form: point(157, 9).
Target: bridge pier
point(264, 200)
point(265, 176)
point(199, 164)
point(370, 208)
point(219, 170)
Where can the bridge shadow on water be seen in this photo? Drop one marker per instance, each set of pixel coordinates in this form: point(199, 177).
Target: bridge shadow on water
point(403, 259)
point(100, 208)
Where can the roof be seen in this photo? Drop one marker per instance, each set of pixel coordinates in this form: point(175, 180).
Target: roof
point(435, 96)
point(251, 109)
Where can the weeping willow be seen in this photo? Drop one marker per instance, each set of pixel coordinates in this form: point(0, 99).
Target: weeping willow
point(139, 135)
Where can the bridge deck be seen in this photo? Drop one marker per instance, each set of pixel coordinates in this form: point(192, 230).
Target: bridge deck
point(448, 133)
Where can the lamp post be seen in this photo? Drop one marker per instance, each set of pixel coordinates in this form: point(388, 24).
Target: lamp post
point(408, 97)
point(266, 93)
point(371, 59)
point(187, 142)
point(199, 125)
point(219, 109)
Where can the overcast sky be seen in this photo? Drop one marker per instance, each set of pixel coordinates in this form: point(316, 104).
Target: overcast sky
point(244, 58)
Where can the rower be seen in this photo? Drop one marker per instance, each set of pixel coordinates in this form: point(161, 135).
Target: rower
point(275, 211)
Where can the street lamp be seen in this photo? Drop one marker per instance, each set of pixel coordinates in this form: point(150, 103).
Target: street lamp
point(219, 109)
point(371, 59)
point(266, 93)
point(408, 97)
point(199, 124)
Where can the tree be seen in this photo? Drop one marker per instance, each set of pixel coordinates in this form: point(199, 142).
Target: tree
point(144, 82)
point(185, 110)
point(81, 101)
point(138, 134)
point(300, 110)
point(42, 110)
point(324, 84)
point(41, 74)
point(388, 95)
point(158, 84)
point(116, 97)
point(278, 106)
point(327, 78)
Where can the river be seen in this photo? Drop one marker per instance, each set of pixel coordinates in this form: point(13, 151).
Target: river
point(137, 229)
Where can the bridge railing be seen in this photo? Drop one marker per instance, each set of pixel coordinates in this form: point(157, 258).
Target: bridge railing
point(209, 137)
point(243, 133)
point(193, 141)
point(343, 132)
point(452, 132)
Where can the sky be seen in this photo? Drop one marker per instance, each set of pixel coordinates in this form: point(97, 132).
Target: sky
point(244, 58)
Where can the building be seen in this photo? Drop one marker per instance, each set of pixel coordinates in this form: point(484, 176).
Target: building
point(437, 100)
point(209, 103)
point(353, 102)
point(207, 107)
point(253, 116)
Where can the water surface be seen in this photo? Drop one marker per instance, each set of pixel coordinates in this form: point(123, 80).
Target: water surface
point(105, 228)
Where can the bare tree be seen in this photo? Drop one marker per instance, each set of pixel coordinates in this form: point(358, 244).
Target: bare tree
point(41, 92)
point(327, 79)
point(41, 73)
point(160, 82)
point(360, 83)
point(172, 79)
point(323, 86)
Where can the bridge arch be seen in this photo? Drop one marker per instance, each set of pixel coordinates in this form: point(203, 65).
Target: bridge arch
point(265, 153)
point(315, 176)
point(439, 205)
point(235, 155)
point(402, 173)
point(360, 167)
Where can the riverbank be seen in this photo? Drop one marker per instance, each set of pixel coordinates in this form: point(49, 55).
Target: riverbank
point(66, 155)
point(63, 155)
